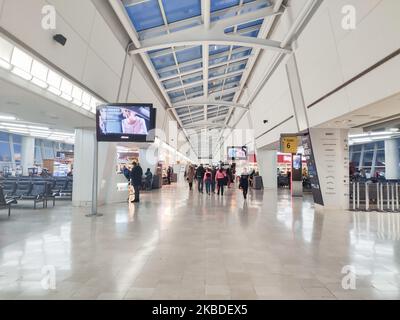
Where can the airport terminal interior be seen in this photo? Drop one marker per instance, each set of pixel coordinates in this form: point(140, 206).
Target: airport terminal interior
point(199, 149)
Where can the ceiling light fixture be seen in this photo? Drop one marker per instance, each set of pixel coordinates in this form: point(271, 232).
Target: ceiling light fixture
point(9, 118)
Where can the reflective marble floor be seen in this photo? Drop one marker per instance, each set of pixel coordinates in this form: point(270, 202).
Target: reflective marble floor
point(182, 245)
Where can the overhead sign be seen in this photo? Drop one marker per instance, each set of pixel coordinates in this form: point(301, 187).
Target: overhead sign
point(289, 144)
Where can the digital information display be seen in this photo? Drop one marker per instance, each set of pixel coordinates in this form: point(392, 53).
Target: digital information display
point(126, 122)
point(237, 153)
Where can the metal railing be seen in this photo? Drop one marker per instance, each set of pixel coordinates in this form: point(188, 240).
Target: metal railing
point(381, 196)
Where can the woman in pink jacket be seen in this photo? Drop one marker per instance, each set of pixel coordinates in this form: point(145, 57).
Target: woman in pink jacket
point(220, 179)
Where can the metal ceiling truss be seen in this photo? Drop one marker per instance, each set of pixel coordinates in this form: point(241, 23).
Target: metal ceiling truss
point(208, 29)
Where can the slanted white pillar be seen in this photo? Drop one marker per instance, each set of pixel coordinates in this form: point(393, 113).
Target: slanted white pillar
point(85, 140)
point(267, 164)
point(27, 154)
point(331, 154)
point(392, 161)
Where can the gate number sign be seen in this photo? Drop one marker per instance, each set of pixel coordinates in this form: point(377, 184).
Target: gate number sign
point(289, 144)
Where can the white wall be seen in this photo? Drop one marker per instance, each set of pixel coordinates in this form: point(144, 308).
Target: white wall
point(328, 56)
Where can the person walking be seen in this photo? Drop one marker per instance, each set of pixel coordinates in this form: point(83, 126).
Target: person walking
point(220, 177)
point(213, 183)
point(244, 183)
point(208, 180)
point(200, 176)
point(136, 180)
point(190, 177)
point(228, 175)
point(149, 179)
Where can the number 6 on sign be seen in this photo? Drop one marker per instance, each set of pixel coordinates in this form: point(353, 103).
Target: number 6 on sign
point(289, 144)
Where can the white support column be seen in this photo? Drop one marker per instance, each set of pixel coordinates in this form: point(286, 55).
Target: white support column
point(27, 154)
point(392, 160)
point(83, 167)
point(267, 165)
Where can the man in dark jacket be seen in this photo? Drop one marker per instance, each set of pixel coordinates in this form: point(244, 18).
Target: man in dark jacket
point(136, 180)
point(200, 176)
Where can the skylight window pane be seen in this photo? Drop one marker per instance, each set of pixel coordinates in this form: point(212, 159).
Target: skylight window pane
point(191, 67)
point(218, 60)
point(223, 4)
point(169, 73)
point(193, 79)
point(177, 10)
point(193, 90)
point(233, 79)
point(145, 15)
point(171, 84)
point(250, 24)
point(163, 61)
point(176, 94)
point(189, 54)
point(236, 67)
point(215, 49)
point(241, 54)
point(216, 72)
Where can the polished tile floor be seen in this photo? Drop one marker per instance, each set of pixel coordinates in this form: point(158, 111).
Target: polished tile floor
point(182, 245)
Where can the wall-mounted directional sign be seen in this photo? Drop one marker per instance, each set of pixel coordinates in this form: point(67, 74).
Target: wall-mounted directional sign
point(289, 144)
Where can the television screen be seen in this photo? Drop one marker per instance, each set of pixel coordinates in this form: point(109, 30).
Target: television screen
point(126, 122)
point(237, 153)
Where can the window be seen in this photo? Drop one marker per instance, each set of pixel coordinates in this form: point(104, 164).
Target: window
point(5, 152)
point(368, 156)
point(38, 155)
point(356, 158)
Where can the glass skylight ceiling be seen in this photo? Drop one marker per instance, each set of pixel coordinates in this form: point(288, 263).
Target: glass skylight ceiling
point(180, 69)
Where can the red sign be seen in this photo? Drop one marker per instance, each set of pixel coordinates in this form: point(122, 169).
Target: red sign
point(283, 158)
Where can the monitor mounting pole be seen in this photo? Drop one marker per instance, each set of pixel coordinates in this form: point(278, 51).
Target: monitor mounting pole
point(94, 212)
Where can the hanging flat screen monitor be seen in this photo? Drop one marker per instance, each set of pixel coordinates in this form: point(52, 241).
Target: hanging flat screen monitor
point(237, 153)
point(126, 122)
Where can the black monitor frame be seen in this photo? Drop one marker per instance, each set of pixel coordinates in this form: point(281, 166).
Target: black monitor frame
point(118, 137)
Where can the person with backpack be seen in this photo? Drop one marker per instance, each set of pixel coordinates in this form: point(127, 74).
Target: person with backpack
point(200, 176)
point(208, 180)
point(220, 178)
point(244, 183)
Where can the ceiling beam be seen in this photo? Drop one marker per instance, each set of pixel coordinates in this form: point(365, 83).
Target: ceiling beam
point(215, 35)
point(206, 15)
point(208, 102)
point(197, 83)
point(218, 16)
point(207, 38)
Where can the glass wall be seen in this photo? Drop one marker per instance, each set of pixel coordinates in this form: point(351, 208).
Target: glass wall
point(370, 157)
point(11, 150)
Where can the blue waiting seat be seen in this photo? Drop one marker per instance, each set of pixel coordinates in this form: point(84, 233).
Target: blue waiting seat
point(9, 188)
point(37, 193)
point(23, 189)
point(6, 203)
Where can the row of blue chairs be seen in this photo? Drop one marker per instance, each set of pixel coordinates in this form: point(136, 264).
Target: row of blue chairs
point(38, 190)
